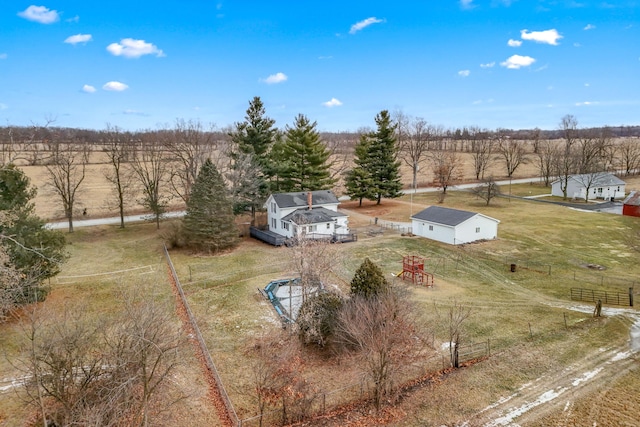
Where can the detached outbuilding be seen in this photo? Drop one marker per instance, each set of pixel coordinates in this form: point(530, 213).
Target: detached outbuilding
point(453, 226)
point(631, 205)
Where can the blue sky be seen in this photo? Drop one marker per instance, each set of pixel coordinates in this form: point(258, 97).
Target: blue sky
point(141, 64)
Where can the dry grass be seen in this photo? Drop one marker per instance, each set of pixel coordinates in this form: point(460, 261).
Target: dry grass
point(522, 313)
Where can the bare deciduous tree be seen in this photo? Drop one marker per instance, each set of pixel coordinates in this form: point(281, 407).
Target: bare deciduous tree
point(487, 190)
point(383, 333)
point(276, 377)
point(545, 157)
point(67, 169)
point(88, 370)
point(150, 166)
point(565, 161)
point(118, 151)
point(481, 151)
point(629, 156)
point(512, 152)
point(447, 170)
point(311, 259)
point(414, 146)
point(457, 314)
point(188, 146)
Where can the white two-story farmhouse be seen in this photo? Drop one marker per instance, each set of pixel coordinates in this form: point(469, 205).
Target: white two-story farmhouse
point(311, 213)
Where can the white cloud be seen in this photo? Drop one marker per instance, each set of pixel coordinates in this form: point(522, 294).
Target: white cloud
point(466, 4)
point(514, 43)
point(40, 14)
point(3, 56)
point(334, 102)
point(547, 36)
point(132, 48)
point(488, 65)
point(74, 19)
point(3, 106)
point(589, 27)
point(364, 24)
point(89, 88)
point(115, 86)
point(275, 78)
point(325, 57)
point(130, 112)
point(518, 61)
point(585, 104)
point(464, 73)
point(587, 84)
point(78, 38)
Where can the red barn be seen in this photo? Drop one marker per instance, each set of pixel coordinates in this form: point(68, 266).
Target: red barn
point(631, 205)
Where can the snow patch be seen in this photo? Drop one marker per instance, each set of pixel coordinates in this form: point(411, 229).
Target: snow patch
point(515, 413)
point(586, 376)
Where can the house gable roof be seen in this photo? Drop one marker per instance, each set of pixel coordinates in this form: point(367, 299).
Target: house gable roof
point(299, 199)
point(600, 180)
point(444, 216)
point(312, 216)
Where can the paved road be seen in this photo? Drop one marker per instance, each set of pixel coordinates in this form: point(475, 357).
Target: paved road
point(610, 207)
point(109, 221)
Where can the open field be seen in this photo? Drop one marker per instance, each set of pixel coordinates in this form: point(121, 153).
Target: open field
point(541, 342)
point(96, 193)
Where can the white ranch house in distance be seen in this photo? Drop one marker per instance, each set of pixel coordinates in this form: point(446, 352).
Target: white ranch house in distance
point(604, 185)
point(453, 226)
point(312, 213)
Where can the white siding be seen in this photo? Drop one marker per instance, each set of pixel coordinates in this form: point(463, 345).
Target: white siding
point(475, 228)
point(439, 232)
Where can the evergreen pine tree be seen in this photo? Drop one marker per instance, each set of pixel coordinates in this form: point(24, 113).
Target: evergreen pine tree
point(34, 251)
point(306, 158)
point(369, 280)
point(209, 223)
point(383, 164)
point(254, 137)
point(358, 181)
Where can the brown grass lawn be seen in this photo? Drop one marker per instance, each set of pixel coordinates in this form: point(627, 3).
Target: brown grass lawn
point(523, 314)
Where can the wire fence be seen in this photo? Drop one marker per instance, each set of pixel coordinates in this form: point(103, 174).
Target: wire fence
point(203, 347)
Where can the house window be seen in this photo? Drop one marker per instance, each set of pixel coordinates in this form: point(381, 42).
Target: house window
point(431, 228)
point(273, 207)
point(285, 225)
point(312, 228)
point(600, 190)
point(328, 225)
point(274, 223)
point(477, 229)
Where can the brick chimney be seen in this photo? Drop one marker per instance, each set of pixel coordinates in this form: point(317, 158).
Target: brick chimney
point(310, 200)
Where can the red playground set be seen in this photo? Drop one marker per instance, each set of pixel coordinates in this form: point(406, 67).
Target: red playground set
point(413, 269)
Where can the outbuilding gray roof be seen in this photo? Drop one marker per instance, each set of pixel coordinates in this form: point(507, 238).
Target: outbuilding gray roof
point(312, 216)
point(445, 216)
point(299, 199)
point(633, 199)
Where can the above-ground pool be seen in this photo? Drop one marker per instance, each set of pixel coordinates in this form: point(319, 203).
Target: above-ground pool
point(286, 297)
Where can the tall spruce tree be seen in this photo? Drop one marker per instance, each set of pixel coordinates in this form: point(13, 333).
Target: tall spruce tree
point(209, 223)
point(359, 181)
point(254, 137)
point(383, 163)
point(306, 158)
